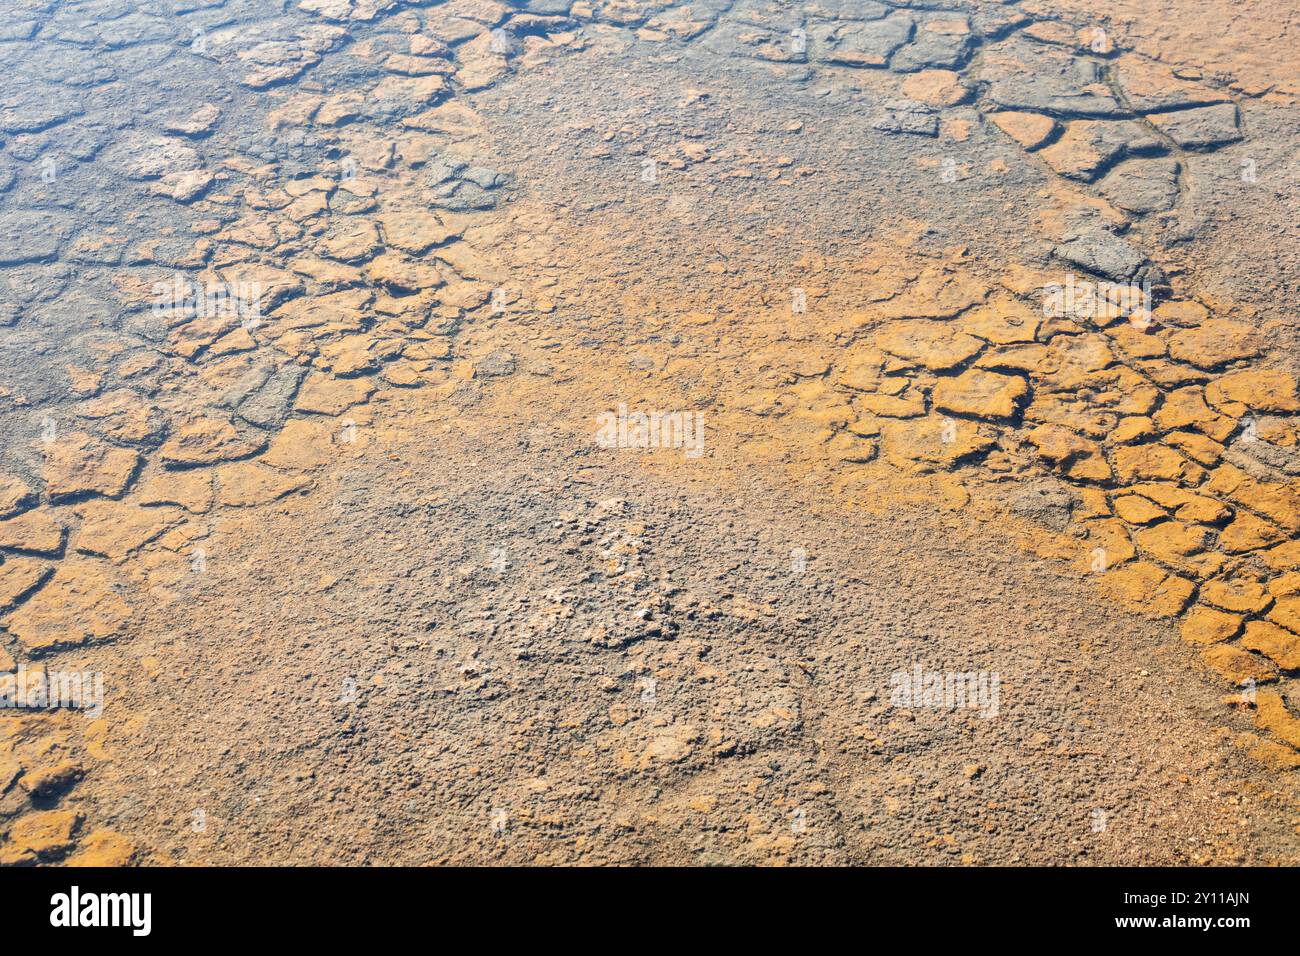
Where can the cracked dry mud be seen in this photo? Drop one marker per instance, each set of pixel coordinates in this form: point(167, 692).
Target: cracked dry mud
point(362, 584)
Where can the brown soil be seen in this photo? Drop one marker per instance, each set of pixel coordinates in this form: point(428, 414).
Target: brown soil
point(368, 573)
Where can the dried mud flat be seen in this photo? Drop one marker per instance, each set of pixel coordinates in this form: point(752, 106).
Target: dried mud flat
point(366, 580)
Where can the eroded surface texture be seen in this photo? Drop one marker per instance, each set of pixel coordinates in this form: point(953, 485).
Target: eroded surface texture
point(972, 324)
